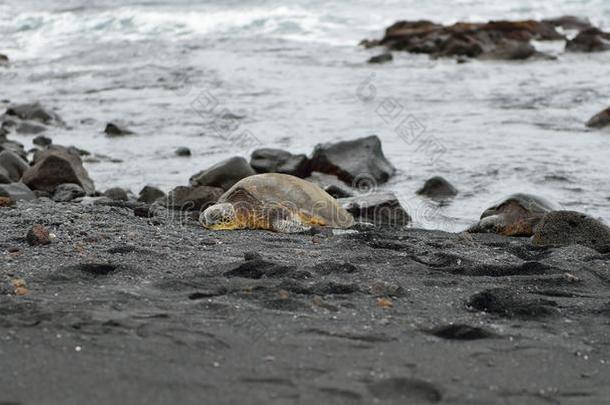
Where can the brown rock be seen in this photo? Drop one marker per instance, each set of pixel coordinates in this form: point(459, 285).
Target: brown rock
point(38, 235)
point(55, 166)
point(6, 202)
point(600, 119)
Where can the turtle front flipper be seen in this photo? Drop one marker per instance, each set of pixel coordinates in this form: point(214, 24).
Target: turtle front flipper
point(281, 218)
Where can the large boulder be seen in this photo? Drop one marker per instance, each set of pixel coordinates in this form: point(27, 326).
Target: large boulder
point(589, 40)
point(516, 215)
point(561, 228)
point(223, 174)
point(381, 209)
point(352, 161)
point(331, 184)
point(437, 188)
point(198, 198)
point(55, 166)
point(600, 119)
point(12, 167)
point(17, 192)
point(13, 146)
point(34, 112)
point(269, 160)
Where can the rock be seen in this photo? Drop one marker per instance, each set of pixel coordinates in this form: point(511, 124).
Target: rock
point(269, 160)
point(600, 120)
point(354, 161)
point(437, 188)
point(589, 40)
point(183, 151)
point(28, 128)
point(491, 40)
point(113, 129)
point(14, 147)
point(383, 58)
point(17, 192)
point(34, 112)
point(331, 184)
point(569, 22)
point(12, 167)
point(55, 166)
point(516, 215)
point(223, 174)
point(4, 61)
point(117, 194)
point(562, 228)
point(509, 50)
point(68, 192)
point(381, 209)
point(38, 235)
point(42, 141)
point(192, 198)
point(150, 194)
point(6, 202)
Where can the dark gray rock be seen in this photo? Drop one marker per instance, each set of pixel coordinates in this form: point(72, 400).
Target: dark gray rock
point(353, 161)
point(42, 141)
point(562, 228)
point(183, 151)
point(150, 194)
point(516, 215)
point(223, 174)
point(589, 40)
point(381, 209)
point(509, 50)
point(198, 198)
point(331, 184)
point(114, 129)
point(269, 160)
point(437, 188)
point(383, 58)
point(17, 192)
point(34, 112)
point(4, 61)
point(28, 128)
point(569, 22)
point(600, 120)
point(12, 167)
point(55, 166)
point(117, 194)
point(14, 147)
point(68, 192)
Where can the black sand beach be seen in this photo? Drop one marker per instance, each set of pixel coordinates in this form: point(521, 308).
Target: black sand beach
point(123, 309)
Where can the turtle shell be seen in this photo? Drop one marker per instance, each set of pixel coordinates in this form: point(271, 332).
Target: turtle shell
point(293, 193)
point(530, 203)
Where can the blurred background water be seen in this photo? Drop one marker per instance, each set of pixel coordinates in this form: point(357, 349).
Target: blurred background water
point(288, 73)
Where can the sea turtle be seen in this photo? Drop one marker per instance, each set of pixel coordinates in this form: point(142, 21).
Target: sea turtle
point(515, 215)
point(276, 202)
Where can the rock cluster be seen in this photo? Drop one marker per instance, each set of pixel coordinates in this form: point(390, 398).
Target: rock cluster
point(499, 40)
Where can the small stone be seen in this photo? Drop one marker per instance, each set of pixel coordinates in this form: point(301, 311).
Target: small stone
point(68, 192)
point(117, 194)
point(38, 235)
point(150, 194)
point(252, 256)
point(6, 202)
point(183, 151)
point(384, 303)
point(437, 188)
point(42, 141)
point(113, 129)
point(383, 58)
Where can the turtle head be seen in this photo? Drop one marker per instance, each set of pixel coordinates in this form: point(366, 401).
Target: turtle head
point(219, 217)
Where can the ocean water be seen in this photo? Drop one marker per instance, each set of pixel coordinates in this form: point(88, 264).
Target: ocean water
point(225, 77)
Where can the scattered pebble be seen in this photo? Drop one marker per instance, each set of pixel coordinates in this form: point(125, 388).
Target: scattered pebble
point(38, 235)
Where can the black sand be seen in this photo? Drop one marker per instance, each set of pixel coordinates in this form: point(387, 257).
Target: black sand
point(122, 310)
